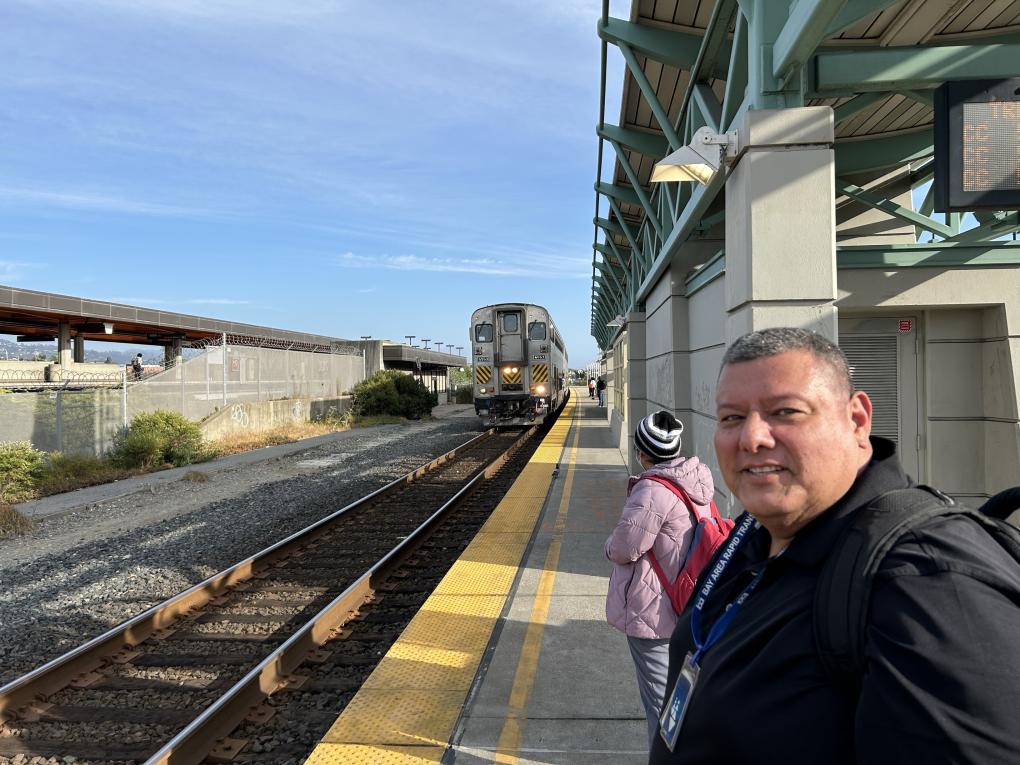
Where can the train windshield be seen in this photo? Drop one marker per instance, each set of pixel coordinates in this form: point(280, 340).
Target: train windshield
point(483, 333)
point(511, 323)
point(536, 330)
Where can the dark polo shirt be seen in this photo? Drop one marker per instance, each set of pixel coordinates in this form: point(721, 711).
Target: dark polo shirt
point(943, 648)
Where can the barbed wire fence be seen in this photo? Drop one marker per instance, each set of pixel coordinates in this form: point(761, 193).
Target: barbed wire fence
point(83, 411)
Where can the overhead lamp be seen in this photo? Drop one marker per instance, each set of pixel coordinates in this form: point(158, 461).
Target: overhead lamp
point(619, 321)
point(108, 327)
point(699, 160)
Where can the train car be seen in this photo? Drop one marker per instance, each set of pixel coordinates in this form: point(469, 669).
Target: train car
point(520, 364)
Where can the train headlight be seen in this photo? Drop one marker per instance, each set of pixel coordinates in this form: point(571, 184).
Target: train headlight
point(540, 389)
point(481, 390)
point(514, 370)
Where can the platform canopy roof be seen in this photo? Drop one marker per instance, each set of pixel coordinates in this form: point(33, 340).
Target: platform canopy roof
point(695, 63)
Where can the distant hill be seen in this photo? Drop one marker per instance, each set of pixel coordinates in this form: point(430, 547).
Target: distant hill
point(10, 349)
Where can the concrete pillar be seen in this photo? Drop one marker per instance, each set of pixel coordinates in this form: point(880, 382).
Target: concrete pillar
point(64, 354)
point(173, 356)
point(781, 223)
point(79, 349)
point(637, 383)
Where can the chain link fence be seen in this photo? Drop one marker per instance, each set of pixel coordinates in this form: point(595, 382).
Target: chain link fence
point(210, 376)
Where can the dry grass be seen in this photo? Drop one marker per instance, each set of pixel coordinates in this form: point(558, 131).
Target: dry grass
point(288, 434)
point(13, 523)
point(66, 472)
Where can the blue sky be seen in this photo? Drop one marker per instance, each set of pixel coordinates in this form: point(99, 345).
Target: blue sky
point(343, 168)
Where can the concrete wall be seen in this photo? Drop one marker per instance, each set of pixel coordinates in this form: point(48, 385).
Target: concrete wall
point(970, 355)
point(260, 416)
point(971, 366)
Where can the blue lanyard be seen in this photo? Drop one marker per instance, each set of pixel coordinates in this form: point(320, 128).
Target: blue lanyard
point(723, 622)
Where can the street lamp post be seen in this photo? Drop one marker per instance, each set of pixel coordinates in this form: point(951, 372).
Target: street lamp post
point(366, 337)
point(410, 338)
point(426, 341)
point(459, 349)
point(449, 348)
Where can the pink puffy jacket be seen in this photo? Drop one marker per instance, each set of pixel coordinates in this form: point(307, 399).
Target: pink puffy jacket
point(653, 517)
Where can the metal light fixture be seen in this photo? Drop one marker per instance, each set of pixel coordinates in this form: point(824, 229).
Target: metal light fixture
point(108, 327)
point(619, 321)
point(699, 160)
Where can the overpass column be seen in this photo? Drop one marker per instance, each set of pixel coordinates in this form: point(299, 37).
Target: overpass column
point(781, 223)
point(173, 355)
point(79, 349)
point(64, 357)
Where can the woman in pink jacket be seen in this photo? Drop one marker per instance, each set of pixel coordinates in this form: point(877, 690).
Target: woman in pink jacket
point(653, 518)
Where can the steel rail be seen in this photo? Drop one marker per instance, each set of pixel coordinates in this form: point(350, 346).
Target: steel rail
point(193, 743)
point(57, 673)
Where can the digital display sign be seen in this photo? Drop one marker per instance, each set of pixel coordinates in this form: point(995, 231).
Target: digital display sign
point(977, 145)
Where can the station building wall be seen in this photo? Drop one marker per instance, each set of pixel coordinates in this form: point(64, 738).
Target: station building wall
point(956, 389)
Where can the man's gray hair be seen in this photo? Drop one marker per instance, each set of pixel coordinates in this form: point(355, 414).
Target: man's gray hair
point(775, 340)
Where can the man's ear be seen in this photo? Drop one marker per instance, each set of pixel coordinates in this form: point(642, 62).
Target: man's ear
point(860, 415)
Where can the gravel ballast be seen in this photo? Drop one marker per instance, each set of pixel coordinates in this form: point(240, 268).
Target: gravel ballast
point(88, 569)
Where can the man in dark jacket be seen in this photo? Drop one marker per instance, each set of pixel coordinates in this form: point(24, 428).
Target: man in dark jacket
point(942, 679)
point(600, 388)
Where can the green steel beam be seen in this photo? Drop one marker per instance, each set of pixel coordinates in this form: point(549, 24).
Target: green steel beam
point(736, 82)
point(642, 195)
point(803, 32)
point(878, 202)
point(708, 105)
point(909, 68)
point(679, 49)
point(620, 257)
point(938, 255)
point(608, 226)
point(635, 247)
point(619, 193)
point(876, 153)
point(990, 229)
point(609, 268)
point(853, 12)
point(649, 144)
point(650, 97)
point(763, 27)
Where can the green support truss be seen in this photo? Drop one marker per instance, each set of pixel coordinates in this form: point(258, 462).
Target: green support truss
point(771, 54)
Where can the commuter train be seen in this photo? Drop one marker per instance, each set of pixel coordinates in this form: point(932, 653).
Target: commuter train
point(520, 364)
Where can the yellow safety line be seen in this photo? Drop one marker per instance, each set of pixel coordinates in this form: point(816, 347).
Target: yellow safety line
point(527, 666)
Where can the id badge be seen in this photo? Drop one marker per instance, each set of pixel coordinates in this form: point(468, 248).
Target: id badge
point(676, 708)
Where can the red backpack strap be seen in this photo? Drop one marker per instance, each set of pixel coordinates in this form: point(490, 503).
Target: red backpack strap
point(666, 584)
point(698, 514)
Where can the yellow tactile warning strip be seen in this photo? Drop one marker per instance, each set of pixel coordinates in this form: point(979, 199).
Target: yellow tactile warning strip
point(407, 708)
point(483, 375)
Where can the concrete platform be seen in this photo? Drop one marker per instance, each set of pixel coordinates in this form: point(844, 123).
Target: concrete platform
point(511, 660)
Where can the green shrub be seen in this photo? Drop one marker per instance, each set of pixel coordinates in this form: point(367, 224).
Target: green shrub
point(20, 465)
point(64, 471)
point(390, 392)
point(159, 438)
point(464, 395)
point(415, 399)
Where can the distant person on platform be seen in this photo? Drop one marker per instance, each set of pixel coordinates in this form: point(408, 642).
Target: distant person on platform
point(655, 521)
point(600, 388)
point(939, 678)
point(591, 388)
point(136, 366)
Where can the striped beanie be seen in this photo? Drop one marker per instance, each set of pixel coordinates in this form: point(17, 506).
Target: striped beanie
point(658, 436)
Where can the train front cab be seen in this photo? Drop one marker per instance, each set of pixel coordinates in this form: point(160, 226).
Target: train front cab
point(514, 380)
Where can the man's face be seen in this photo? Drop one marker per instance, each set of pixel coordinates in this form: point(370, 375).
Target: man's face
point(789, 440)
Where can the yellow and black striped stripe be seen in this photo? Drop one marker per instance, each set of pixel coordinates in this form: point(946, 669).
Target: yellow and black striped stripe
point(483, 375)
point(510, 377)
point(540, 373)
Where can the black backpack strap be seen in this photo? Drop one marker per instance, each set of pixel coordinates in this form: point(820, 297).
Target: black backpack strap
point(1003, 504)
point(843, 591)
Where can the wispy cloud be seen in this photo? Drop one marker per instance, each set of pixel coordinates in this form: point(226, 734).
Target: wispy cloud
point(11, 271)
point(560, 268)
point(99, 203)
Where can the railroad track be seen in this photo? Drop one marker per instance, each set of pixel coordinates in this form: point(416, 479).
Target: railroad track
point(253, 663)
